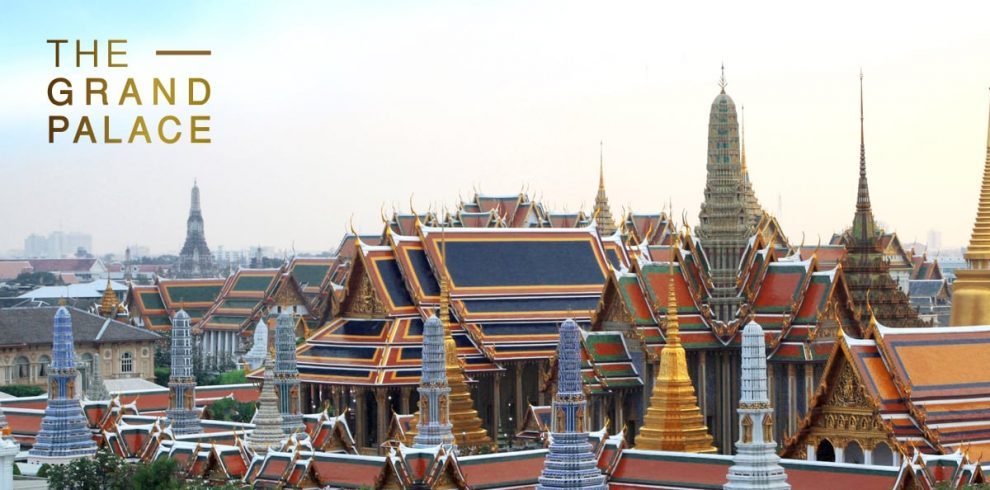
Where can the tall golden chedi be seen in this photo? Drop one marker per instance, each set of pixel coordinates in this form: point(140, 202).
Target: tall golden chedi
point(469, 433)
point(971, 290)
point(674, 422)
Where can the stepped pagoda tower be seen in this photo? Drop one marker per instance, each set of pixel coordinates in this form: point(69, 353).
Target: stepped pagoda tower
point(195, 259)
point(267, 421)
point(255, 357)
point(971, 290)
point(97, 390)
point(602, 213)
point(570, 463)
point(727, 222)
point(433, 427)
point(673, 422)
point(756, 464)
point(65, 434)
point(182, 413)
point(287, 374)
point(867, 271)
point(108, 302)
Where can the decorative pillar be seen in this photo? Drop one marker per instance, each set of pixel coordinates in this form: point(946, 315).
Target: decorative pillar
point(519, 397)
point(496, 404)
point(540, 397)
point(812, 454)
point(182, 413)
point(756, 464)
point(404, 393)
point(703, 383)
point(361, 416)
point(868, 456)
point(65, 434)
point(792, 415)
point(570, 464)
point(838, 452)
point(382, 411)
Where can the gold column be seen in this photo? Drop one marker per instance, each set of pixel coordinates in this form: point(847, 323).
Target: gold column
point(361, 416)
point(496, 404)
point(791, 399)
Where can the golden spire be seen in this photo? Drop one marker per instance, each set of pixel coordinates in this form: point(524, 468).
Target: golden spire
point(469, 432)
point(674, 422)
point(721, 81)
point(109, 302)
point(971, 290)
point(601, 165)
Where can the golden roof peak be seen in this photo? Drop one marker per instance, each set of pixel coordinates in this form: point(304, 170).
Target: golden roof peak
point(978, 252)
point(109, 302)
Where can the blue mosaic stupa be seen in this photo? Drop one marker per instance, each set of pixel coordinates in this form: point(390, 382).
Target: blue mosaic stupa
point(287, 374)
point(434, 427)
point(65, 435)
point(181, 411)
point(570, 463)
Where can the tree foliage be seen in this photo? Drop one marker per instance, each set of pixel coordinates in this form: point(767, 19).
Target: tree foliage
point(230, 410)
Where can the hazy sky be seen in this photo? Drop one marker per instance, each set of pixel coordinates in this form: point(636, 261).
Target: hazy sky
point(327, 109)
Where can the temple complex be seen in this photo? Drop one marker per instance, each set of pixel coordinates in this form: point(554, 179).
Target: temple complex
point(865, 265)
point(755, 464)
point(673, 422)
point(570, 462)
point(195, 259)
point(182, 414)
point(971, 289)
point(64, 434)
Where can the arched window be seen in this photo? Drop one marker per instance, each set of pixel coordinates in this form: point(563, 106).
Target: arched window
point(853, 453)
point(825, 451)
point(126, 362)
point(23, 370)
point(882, 455)
point(44, 362)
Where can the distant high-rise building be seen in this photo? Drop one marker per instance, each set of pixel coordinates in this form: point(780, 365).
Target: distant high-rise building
point(57, 245)
point(195, 260)
point(934, 241)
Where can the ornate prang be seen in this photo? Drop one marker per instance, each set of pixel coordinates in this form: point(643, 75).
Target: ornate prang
point(182, 413)
point(287, 373)
point(570, 463)
point(756, 464)
point(64, 435)
point(195, 259)
point(602, 213)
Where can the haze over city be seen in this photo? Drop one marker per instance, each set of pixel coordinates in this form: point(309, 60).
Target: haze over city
point(331, 110)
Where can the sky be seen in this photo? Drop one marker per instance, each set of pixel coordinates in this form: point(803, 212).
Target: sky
point(324, 111)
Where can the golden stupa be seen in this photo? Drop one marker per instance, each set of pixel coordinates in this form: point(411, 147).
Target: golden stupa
point(109, 302)
point(674, 422)
point(971, 290)
point(469, 433)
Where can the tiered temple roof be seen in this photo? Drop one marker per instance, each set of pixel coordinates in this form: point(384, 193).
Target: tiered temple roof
point(911, 389)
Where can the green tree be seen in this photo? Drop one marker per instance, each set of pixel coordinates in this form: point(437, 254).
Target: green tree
point(160, 474)
point(37, 279)
point(232, 378)
point(230, 410)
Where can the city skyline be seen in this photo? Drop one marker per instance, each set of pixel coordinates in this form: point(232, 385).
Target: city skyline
point(435, 101)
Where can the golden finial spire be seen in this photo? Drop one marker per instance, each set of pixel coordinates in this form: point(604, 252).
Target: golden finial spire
point(721, 81)
point(978, 252)
point(673, 326)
